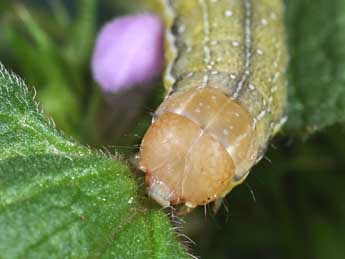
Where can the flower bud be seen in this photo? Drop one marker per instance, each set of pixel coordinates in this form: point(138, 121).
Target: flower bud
point(129, 52)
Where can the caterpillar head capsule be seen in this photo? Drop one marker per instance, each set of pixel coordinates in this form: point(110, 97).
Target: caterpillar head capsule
point(201, 145)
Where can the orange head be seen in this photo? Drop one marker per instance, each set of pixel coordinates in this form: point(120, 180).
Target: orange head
point(199, 148)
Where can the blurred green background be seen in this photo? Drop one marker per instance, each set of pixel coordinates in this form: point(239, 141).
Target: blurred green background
point(291, 206)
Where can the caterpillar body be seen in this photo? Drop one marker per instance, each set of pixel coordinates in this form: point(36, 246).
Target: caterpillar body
point(226, 98)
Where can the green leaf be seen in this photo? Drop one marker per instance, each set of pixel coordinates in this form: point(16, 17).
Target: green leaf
point(317, 79)
point(59, 199)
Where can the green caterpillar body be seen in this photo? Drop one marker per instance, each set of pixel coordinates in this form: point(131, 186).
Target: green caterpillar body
point(230, 56)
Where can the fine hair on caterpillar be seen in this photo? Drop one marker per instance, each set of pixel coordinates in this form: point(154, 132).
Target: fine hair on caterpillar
point(226, 84)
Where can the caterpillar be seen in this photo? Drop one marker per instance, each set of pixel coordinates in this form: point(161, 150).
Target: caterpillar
point(226, 97)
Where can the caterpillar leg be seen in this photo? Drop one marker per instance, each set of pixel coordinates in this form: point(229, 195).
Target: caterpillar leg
point(183, 210)
point(217, 205)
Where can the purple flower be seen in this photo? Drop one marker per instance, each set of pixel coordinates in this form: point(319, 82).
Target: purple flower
point(129, 51)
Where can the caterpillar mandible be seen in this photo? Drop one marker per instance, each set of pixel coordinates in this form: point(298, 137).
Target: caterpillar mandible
point(226, 98)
